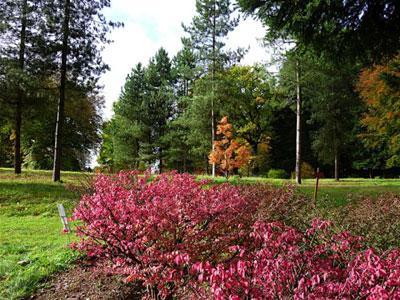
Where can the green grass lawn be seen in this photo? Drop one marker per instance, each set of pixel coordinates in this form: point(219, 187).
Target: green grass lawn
point(31, 243)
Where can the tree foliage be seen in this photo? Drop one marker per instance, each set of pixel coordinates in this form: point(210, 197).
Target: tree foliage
point(379, 88)
point(367, 30)
point(142, 112)
point(228, 153)
point(208, 32)
point(30, 68)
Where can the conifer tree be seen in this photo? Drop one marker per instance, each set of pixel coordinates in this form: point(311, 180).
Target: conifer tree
point(159, 102)
point(19, 35)
point(129, 127)
point(208, 29)
point(82, 28)
point(141, 115)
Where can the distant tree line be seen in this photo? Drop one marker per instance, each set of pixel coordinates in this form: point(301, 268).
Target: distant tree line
point(50, 62)
point(166, 115)
point(334, 104)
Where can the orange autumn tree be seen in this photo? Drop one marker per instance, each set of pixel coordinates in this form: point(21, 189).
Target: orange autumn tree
point(379, 86)
point(229, 153)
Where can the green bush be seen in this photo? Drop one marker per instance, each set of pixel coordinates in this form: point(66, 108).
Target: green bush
point(277, 174)
point(307, 171)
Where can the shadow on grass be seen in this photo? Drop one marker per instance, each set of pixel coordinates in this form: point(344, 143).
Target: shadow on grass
point(34, 198)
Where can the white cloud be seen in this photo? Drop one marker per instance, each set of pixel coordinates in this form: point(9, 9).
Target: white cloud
point(152, 24)
point(249, 33)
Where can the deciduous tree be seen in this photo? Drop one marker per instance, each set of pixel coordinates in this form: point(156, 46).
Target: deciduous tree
point(229, 153)
point(379, 86)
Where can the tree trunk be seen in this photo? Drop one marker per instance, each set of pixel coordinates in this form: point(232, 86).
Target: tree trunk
point(213, 85)
point(336, 166)
point(61, 100)
point(18, 108)
point(298, 124)
point(185, 87)
point(160, 158)
point(256, 169)
point(213, 129)
point(17, 141)
point(137, 161)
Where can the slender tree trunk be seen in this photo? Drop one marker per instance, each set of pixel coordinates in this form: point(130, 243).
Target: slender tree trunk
point(61, 100)
point(18, 108)
point(336, 166)
point(17, 141)
point(160, 158)
point(298, 124)
point(137, 146)
point(213, 86)
point(336, 149)
point(185, 87)
point(213, 130)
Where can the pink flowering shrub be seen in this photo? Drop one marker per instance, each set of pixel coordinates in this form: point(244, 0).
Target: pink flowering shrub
point(153, 229)
point(182, 238)
point(284, 263)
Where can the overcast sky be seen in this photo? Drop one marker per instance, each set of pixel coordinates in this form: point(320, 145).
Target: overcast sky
point(152, 24)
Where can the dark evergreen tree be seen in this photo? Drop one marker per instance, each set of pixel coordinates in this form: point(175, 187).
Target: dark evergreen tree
point(160, 105)
point(367, 30)
point(129, 127)
point(331, 107)
point(185, 71)
point(142, 113)
point(19, 37)
point(185, 68)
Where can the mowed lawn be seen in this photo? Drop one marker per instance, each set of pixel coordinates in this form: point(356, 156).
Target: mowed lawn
point(32, 245)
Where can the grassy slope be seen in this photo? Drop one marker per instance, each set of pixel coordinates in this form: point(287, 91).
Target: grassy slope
point(30, 230)
point(31, 243)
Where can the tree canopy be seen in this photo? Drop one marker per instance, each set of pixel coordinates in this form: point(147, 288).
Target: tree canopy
point(332, 103)
point(367, 29)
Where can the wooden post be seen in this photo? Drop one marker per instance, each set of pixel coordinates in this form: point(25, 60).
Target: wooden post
point(63, 217)
point(316, 187)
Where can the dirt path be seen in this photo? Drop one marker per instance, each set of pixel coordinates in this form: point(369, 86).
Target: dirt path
point(85, 282)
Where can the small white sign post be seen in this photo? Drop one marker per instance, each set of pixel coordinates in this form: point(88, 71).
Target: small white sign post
point(63, 217)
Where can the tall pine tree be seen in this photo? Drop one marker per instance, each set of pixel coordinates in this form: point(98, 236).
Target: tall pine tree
point(19, 60)
point(146, 105)
point(160, 100)
point(82, 29)
point(129, 126)
point(208, 30)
